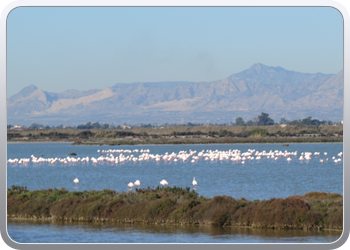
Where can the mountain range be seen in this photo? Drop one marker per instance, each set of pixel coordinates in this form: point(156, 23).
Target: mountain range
point(260, 88)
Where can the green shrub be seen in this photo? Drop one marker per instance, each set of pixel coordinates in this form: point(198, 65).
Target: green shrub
point(258, 132)
point(312, 210)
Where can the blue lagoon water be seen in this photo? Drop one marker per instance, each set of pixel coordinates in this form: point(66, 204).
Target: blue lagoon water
point(46, 232)
point(256, 179)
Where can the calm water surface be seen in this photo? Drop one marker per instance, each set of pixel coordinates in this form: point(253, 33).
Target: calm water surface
point(263, 179)
point(46, 232)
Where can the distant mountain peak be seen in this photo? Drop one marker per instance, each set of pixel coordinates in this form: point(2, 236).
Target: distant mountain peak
point(30, 88)
point(275, 90)
point(260, 66)
point(25, 92)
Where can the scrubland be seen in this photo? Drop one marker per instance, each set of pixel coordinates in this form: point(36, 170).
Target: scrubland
point(176, 205)
point(183, 135)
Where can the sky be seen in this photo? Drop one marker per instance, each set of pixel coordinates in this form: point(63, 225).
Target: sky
point(60, 48)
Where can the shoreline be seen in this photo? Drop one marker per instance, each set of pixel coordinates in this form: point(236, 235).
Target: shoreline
point(168, 144)
point(15, 142)
point(187, 142)
point(53, 220)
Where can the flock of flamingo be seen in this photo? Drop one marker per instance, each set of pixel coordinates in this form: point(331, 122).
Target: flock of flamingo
point(138, 183)
point(144, 155)
point(163, 183)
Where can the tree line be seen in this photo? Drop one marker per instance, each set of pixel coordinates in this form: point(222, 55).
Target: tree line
point(263, 119)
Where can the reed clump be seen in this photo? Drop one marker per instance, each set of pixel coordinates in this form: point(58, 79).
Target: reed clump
point(177, 205)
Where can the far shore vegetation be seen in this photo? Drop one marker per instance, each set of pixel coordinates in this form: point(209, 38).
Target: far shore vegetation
point(259, 130)
point(177, 205)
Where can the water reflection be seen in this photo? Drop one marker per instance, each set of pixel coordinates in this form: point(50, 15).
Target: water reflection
point(48, 231)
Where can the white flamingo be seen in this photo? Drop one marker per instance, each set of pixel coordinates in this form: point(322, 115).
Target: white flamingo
point(164, 183)
point(137, 183)
point(194, 182)
point(76, 181)
point(130, 185)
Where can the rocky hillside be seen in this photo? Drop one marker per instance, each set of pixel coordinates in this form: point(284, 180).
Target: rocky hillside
point(277, 91)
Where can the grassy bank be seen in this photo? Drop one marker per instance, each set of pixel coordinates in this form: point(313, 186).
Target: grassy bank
point(183, 135)
point(187, 140)
point(175, 205)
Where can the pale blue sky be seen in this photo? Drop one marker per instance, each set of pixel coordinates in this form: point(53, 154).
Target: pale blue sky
point(59, 48)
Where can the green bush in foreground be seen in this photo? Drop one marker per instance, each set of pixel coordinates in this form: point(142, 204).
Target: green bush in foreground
point(176, 205)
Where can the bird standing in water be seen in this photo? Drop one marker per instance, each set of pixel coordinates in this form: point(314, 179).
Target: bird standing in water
point(130, 185)
point(164, 183)
point(76, 181)
point(137, 183)
point(194, 182)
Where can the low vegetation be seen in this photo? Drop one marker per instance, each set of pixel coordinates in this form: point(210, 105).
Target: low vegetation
point(176, 205)
point(184, 135)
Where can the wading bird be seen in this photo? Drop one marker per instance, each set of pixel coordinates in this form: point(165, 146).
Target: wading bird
point(164, 183)
point(76, 181)
point(130, 185)
point(194, 182)
point(137, 183)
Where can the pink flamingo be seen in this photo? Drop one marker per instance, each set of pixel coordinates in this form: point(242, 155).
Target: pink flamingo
point(137, 183)
point(76, 181)
point(164, 183)
point(130, 185)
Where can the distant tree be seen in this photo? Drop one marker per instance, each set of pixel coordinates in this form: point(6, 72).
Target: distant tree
point(105, 126)
point(149, 125)
point(9, 126)
point(36, 125)
point(47, 127)
point(283, 121)
point(96, 125)
point(250, 123)
point(328, 122)
point(88, 125)
point(265, 120)
point(239, 121)
point(306, 121)
point(85, 126)
point(315, 122)
point(294, 122)
point(309, 121)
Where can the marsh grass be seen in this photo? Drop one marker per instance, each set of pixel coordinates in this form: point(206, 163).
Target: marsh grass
point(185, 135)
point(177, 205)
